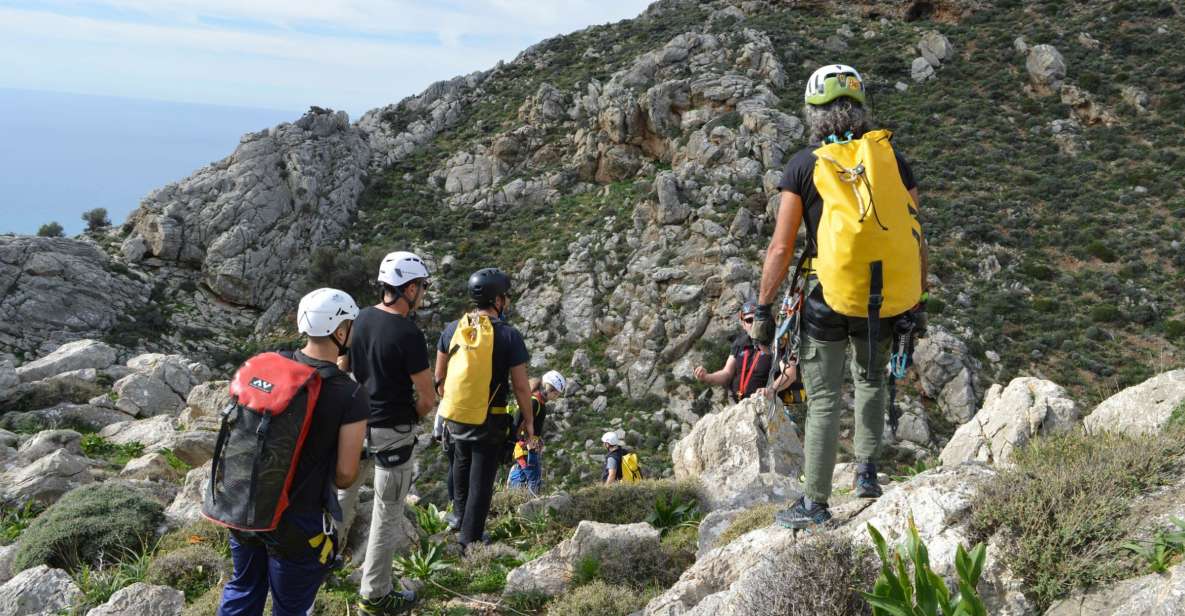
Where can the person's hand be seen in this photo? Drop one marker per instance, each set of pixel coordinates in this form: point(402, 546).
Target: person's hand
point(700, 374)
point(763, 324)
point(766, 393)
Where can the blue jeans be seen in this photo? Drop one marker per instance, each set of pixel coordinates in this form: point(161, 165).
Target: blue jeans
point(293, 582)
point(530, 476)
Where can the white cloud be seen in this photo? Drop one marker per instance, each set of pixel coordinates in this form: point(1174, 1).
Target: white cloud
point(286, 54)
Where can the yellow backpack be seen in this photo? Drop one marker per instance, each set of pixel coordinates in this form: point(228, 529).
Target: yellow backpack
point(869, 237)
point(470, 368)
point(631, 470)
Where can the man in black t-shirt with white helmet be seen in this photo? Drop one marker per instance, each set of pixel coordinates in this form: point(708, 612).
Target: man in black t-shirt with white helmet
point(389, 356)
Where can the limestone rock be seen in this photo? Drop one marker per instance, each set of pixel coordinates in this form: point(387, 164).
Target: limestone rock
point(1137, 98)
point(141, 395)
point(921, 70)
point(150, 467)
point(947, 373)
point(82, 416)
point(59, 290)
point(551, 573)
point(204, 405)
point(39, 591)
point(8, 378)
point(7, 554)
point(142, 599)
point(1088, 111)
point(187, 506)
point(711, 527)
point(935, 46)
point(1046, 67)
point(748, 454)
point(1010, 417)
point(68, 357)
point(1149, 595)
point(48, 441)
point(250, 221)
point(153, 433)
point(46, 479)
point(1140, 409)
point(75, 386)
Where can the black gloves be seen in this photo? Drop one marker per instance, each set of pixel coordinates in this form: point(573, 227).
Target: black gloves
point(763, 324)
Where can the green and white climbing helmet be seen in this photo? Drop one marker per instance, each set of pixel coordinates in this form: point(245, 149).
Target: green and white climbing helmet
point(833, 81)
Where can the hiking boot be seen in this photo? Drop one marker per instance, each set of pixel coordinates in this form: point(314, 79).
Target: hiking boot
point(800, 516)
point(867, 485)
point(396, 602)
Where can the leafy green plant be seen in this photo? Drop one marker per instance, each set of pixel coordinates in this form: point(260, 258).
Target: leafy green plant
point(176, 463)
point(95, 446)
point(102, 580)
point(14, 520)
point(424, 562)
point(1163, 549)
point(910, 471)
point(670, 514)
point(924, 593)
point(431, 519)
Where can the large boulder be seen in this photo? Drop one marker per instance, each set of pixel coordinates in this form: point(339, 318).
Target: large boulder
point(75, 386)
point(1150, 595)
point(150, 467)
point(142, 599)
point(8, 378)
point(58, 290)
point(39, 591)
point(1009, 418)
point(80, 416)
point(204, 405)
point(744, 454)
point(7, 555)
point(153, 433)
point(1046, 67)
point(68, 357)
point(946, 370)
point(48, 441)
point(187, 506)
point(551, 573)
point(46, 479)
point(251, 221)
point(1140, 409)
point(158, 385)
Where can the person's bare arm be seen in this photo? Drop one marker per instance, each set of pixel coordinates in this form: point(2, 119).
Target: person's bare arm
point(781, 247)
point(612, 476)
point(925, 248)
point(719, 377)
point(441, 371)
point(522, 393)
point(349, 452)
point(425, 392)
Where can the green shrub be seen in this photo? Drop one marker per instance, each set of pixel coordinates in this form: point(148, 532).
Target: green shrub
point(924, 593)
point(192, 570)
point(599, 599)
point(1163, 549)
point(751, 520)
point(1105, 313)
point(1174, 330)
point(89, 525)
point(624, 503)
point(818, 577)
point(98, 583)
point(96, 219)
point(670, 514)
point(14, 520)
point(1062, 512)
point(51, 229)
point(206, 604)
point(95, 446)
point(1101, 251)
point(200, 533)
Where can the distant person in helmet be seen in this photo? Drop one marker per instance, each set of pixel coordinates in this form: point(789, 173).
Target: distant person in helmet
point(293, 560)
point(389, 356)
point(838, 119)
point(480, 361)
point(527, 469)
point(746, 371)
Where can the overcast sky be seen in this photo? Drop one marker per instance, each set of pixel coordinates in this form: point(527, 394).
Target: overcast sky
point(278, 54)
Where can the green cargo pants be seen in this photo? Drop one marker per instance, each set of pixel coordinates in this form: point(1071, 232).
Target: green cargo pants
point(822, 365)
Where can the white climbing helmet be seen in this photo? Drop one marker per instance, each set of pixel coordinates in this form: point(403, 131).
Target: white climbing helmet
point(556, 380)
point(611, 439)
point(401, 267)
point(832, 81)
point(321, 311)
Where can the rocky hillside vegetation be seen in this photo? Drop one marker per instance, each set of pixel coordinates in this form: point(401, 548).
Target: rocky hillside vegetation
point(625, 175)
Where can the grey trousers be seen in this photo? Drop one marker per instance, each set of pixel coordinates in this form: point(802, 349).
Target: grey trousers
point(390, 489)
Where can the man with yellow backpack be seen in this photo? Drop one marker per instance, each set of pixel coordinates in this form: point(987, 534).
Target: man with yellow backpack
point(621, 464)
point(480, 360)
point(866, 259)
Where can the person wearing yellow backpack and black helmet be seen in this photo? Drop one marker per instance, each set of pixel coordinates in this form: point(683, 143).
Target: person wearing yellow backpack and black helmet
point(480, 361)
point(867, 261)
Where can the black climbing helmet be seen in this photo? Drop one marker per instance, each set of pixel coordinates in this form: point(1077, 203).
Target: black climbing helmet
point(485, 285)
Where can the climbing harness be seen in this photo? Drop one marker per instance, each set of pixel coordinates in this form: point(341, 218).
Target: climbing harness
point(790, 328)
point(905, 334)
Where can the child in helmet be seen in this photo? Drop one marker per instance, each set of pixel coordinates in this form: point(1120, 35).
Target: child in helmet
point(527, 470)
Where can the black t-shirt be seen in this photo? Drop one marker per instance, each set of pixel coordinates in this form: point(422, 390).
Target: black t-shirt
point(799, 178)
point(341, 401)
point(509, 351)
point(540, 415)
point(385, 350)
point(752, 367)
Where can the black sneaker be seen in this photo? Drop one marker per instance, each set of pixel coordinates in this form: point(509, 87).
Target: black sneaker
point(396, 602)
point(866, 484)
point(799, 516)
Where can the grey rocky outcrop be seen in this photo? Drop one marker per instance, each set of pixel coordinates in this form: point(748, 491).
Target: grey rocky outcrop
point(38, 591)
point(187, 506)
point(81, 416)
point(1140, 409)
point(1010, 417)
point(46, 479)
point(1149, 595)
point(71, 356)
point(250, 221)
point(1046, 67)
point(947, 371)
point(551, 573)
point(142, 599)
point(55, 290)
point(742, 455)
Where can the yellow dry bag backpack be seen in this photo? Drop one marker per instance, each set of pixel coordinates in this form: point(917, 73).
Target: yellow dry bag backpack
point(470, 368)
point(869, 237)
